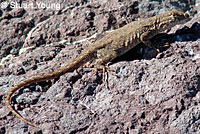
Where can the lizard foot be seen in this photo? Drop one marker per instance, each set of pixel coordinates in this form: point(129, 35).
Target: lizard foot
point(105, 69)
point(162, 46)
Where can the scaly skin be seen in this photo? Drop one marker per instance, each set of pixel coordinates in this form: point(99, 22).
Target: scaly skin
point(111, 46)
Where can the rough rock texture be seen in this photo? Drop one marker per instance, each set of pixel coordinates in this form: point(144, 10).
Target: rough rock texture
point(153, 93)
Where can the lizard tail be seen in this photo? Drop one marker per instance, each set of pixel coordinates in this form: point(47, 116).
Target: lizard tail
point(22, 84)
point(79, 61)
point(17, 87)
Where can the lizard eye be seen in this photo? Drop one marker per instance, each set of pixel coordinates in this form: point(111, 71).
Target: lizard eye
point(186, 15)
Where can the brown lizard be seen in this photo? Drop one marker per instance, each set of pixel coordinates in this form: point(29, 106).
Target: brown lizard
point(111, 46)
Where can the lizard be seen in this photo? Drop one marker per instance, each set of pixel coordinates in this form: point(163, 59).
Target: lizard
point(111, 46)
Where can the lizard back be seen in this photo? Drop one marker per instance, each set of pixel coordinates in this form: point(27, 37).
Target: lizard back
point(125, 38)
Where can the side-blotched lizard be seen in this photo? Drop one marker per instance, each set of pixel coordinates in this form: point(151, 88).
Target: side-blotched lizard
point(111, 46)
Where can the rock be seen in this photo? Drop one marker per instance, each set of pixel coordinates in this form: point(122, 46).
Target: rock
point(153, 93)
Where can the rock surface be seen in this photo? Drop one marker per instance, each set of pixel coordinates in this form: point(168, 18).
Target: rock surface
point(153, 93)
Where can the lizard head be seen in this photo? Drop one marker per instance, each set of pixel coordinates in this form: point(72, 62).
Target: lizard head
point(179, 16)
point(170, 19)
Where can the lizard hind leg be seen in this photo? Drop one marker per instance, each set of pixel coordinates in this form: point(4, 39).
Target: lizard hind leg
point(102, 58)
point(102, 63)
point(105, 69)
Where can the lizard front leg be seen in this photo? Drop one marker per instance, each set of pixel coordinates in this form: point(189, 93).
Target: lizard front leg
point(145, 38)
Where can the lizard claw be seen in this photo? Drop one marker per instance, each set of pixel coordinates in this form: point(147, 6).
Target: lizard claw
point(157, 50)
